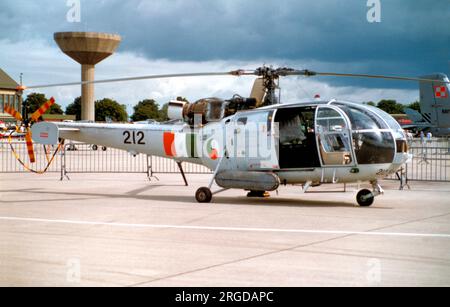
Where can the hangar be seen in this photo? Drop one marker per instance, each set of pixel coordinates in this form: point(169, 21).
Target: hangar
point(9, 94)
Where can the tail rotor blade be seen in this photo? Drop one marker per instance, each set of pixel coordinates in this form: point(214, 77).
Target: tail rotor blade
point(42, 109)
point(11, 111)
point(30, 148)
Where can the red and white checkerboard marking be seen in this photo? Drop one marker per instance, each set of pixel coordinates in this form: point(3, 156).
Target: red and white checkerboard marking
point(440, 91)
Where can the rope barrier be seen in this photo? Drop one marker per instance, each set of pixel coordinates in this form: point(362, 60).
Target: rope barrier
point(28, 168)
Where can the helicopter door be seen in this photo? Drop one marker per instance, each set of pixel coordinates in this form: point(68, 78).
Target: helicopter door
point(297, 141)
point(254, 142)
point(333, 137)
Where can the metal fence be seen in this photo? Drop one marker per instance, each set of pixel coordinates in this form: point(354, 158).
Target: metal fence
point(87, 158)
point(168, 166)
point(431, 161)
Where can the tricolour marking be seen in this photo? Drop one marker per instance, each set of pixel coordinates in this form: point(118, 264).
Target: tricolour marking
point(169, 148)
point(218, 228)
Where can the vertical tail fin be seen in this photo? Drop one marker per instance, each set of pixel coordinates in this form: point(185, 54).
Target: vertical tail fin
point(435, 100)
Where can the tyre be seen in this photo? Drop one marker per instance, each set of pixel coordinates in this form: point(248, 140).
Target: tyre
point(260, 194)
point(94, 147)
point(203, 195)
point(104, 148)
point(365, 198)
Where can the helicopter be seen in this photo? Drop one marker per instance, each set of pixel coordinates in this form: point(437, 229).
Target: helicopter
point(256, 143)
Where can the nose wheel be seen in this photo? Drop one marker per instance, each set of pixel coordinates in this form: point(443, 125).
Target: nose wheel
point(365, 198)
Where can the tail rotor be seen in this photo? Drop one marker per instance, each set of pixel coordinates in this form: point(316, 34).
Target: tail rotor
point(28, 122)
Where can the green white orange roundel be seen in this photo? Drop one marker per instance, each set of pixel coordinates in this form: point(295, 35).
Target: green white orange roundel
point(212, 148)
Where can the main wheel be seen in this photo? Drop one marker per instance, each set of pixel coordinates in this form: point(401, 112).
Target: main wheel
point(203, 195)
point(94, 147)
point(365, 198)
point(261, 194)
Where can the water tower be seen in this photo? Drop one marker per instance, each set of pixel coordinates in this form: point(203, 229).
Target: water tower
point(88, 49)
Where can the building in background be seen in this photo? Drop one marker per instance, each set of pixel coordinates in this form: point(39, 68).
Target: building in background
point(9, 95)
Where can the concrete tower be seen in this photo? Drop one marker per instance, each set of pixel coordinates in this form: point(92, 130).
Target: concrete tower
point(88, 49)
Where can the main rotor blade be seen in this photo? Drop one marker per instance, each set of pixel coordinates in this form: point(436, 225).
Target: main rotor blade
point(283, 72)
point(200, 74)
point(262, 71)
point(400, 78)
point(309, 73)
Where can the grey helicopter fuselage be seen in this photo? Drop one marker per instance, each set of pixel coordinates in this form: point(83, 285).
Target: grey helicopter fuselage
point(317, 141)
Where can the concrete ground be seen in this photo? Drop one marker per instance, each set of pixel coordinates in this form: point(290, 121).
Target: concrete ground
point(121, 230)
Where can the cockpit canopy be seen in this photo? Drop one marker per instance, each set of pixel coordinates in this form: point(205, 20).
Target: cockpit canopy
point(345, 132)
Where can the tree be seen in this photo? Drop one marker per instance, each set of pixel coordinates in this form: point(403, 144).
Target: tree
point(55, 109)
point(414, 106)
point(391, 106)
point(75, 108)
point(371, 103)
point(110, 108)
point(103, 108)
point(35, 100)
point(146, 109)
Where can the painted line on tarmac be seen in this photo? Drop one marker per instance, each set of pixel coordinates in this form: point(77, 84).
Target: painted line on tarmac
point(218, 228)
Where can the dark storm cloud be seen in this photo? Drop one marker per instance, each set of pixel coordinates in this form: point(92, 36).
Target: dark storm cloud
point(413, 37)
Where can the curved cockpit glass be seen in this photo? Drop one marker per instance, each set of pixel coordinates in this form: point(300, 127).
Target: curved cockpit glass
point(391, 122)
point(373, 140)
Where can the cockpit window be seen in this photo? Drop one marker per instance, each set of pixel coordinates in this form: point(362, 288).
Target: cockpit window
point(361, 119)
point(333, 137)
point(373, 140)
point(330, 120)
point(374, 147)
point(392, 123)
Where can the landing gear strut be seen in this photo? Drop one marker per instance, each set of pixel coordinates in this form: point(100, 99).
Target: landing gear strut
point(204, 194)
point(365, 197)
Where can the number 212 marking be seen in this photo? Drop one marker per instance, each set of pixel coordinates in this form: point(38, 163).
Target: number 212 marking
point(133, 137)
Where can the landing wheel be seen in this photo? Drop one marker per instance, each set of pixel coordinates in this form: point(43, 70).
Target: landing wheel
point(104, 148)
point(262, 194)
point(94, 147)
point(203, 195)
point(365, 198)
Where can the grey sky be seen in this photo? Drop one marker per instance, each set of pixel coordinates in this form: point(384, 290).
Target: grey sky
point(333, 35)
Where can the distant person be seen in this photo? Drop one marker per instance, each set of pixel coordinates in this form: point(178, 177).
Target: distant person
point(429, 136)
point(409, 134)
point(422, 137)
